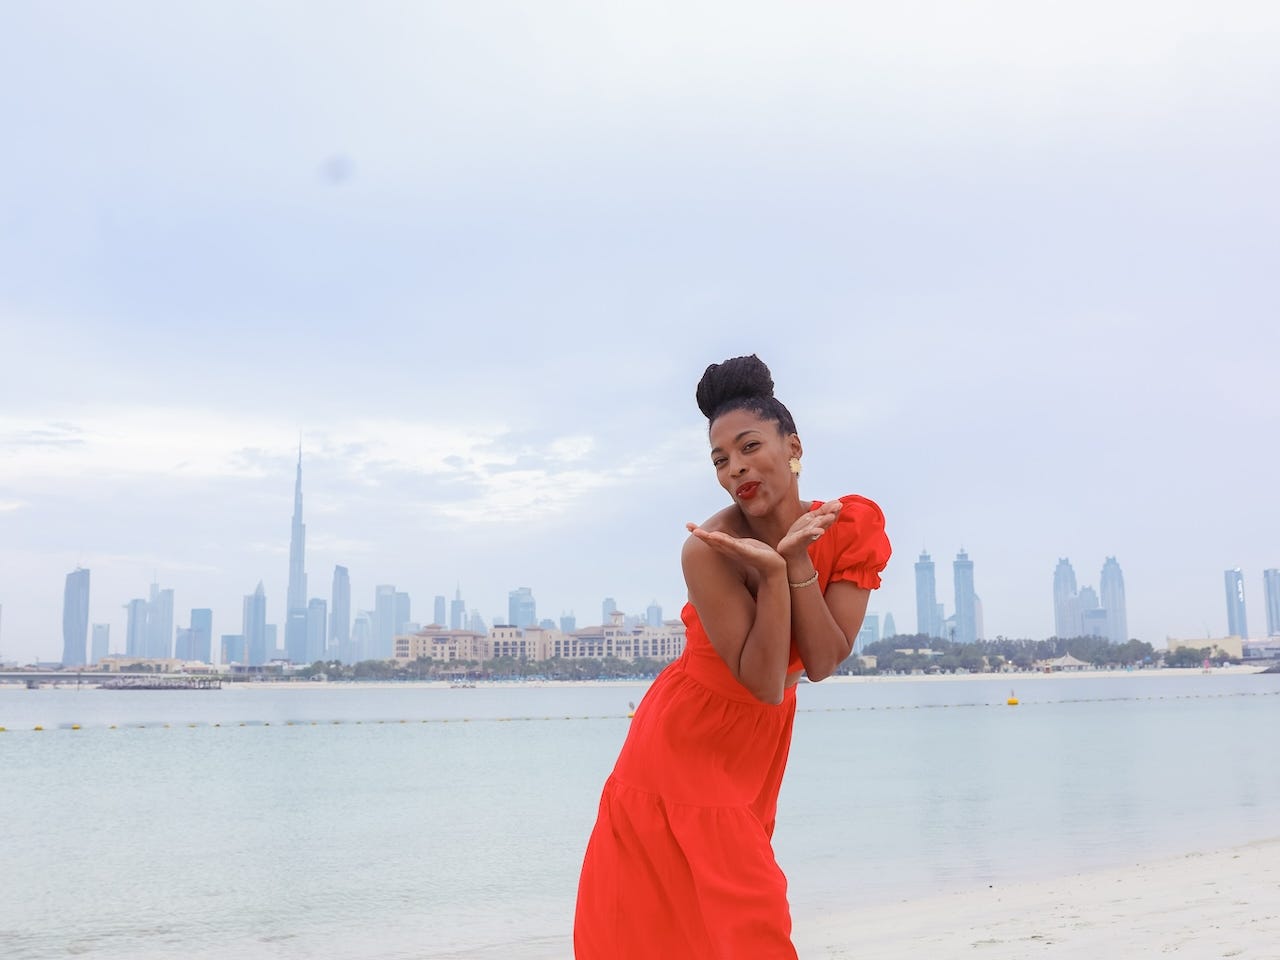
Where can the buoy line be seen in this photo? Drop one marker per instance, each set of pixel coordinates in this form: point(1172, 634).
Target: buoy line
point(858, 708)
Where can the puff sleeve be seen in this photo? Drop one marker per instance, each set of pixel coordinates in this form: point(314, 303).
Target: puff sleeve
point(858, 543)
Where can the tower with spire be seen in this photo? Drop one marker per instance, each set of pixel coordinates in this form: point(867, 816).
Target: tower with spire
point(295, 624)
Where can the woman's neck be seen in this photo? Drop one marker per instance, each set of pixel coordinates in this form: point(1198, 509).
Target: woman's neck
point(772, 527)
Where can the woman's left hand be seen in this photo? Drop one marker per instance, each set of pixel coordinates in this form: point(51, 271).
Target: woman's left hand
point(794, 545)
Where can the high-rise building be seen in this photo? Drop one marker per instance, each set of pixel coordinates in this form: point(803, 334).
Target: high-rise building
point(317, 619)
point(101, 643)
point(1111, 586)
point(75, 618)
point(869, 632)
point(135, 635)
point(888, 629)
point(255, 627)
point(457, 610)
point(928, 622)
point(295, 620)
point(522, 610)
point(384, 622)
point(202, 634)
point(1066, 609)
point(1236, 624)
point(476, 624)
point(653, 614)
point(340, 612)
point(361, 637)
point(607, 609)
point(440, 615)
point(568, 622)
point(160, 623)
point(232, 649)
point(182, 644)
point(1271, 593)
point(273, 643)
point(402, 613)
point(966, 607)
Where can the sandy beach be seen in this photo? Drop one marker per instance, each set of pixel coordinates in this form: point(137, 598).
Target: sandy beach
point(1224, 903)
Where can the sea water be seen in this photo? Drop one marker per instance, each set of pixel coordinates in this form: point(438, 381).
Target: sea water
point(423, 822)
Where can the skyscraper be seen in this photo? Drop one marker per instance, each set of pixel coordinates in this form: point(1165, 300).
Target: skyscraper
point(1066, 609)
point(868, 633)
point(522, 610)
point(75, 618)
point(403, 616)
point(295, 622)
point(255, 626)
point(927, 621)
point(568, 622)
point(384, 622)
point(440, 615)
point(1236, 624)
point(317, 618)
point(160, 623)
point(1271, 593)
point(361, 637)
point(1111, 586)
point(966, 611)
point(607, 609)
point(340, 613)
point(100, 647)
point(653, 614)
point(888, 629)
point(182, 644)
point(135, 636)
point(202, 635)
point(457, 611)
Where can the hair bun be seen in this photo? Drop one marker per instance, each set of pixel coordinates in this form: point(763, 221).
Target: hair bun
point(738, 377)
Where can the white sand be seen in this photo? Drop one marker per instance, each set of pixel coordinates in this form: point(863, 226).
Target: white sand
point(1220, 904)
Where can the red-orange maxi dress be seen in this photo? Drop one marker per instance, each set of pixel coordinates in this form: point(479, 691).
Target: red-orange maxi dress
point(680, 864)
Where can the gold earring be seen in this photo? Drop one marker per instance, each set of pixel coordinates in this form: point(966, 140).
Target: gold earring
point(795, 466)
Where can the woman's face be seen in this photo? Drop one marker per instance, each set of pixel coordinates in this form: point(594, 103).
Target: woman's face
point(753, 460)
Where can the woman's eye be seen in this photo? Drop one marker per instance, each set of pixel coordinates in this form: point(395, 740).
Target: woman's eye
point(718, 462)
point(746, 447)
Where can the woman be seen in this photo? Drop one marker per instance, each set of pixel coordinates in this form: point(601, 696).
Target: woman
point(680, 864)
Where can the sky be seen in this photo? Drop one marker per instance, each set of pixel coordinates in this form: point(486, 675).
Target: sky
point(1013, 267)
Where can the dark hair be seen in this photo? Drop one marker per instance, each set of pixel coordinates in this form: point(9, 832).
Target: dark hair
point(742, 383)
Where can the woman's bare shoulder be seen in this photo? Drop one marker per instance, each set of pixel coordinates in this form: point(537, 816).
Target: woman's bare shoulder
point(728, 520)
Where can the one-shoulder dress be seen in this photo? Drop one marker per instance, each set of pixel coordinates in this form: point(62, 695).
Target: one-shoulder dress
point(680, 865)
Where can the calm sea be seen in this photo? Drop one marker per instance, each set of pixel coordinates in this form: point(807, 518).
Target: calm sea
point(428, 823)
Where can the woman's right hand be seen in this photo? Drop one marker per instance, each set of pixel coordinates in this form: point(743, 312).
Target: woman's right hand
point(747, 550)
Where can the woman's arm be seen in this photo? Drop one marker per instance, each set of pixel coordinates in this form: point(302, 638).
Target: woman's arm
point(751, 634)
point(824, 627)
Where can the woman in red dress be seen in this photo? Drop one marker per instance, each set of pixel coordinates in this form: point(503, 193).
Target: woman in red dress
point(680, 865)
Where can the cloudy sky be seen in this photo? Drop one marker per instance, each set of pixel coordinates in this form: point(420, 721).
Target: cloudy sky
point(1013, 266)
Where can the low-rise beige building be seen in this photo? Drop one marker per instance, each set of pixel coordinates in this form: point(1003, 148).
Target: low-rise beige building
point(1232, 647)
point(664, 643)
point(443, 646)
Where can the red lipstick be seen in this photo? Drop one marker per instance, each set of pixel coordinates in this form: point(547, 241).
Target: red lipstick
point(747, 490)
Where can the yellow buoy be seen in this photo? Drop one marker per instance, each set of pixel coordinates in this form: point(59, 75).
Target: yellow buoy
point(75, 726)
point(38, 727)
point(1013, 700)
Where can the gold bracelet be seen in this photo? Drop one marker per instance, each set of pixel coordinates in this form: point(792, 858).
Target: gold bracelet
point(804, 583)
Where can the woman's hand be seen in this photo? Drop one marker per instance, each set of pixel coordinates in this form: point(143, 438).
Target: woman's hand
point(754, 553)
point(794, 545)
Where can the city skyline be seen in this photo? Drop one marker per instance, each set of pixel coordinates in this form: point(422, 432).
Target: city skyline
point(984, 300)
point(151, 631)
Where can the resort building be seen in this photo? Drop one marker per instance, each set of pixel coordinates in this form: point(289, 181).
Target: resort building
point(615, 639)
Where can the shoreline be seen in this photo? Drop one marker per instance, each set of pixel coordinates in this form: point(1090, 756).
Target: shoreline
point(1011, 677)
point(1222, 903)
